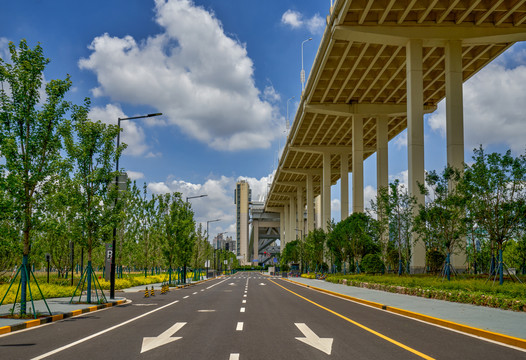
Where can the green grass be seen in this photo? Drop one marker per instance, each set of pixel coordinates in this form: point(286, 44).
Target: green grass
point(478, 291)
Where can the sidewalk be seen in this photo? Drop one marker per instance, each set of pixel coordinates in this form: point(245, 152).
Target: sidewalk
point(505, 322)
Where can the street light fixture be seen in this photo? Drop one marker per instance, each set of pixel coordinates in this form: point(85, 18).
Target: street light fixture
point(302, 75)
point(114, 243)
point(195, 197)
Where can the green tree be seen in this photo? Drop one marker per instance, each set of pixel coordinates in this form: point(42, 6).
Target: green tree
point(29, 137)
point(180, 237)
point(92, 152)
point(291, 253)
point(495, 188)
point(443, 216)
point(314, 248)
point(398, 206)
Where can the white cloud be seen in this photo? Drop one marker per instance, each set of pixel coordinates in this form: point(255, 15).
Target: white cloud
point(219, 202)
point(131, 134)
point(134, 175)
point(493, 108)
point(292, 18)
point(400, 141)
point(270, 94)
point(402, 176)
point(259, 187)
point(315, 24)
point(199, 77)
point(369, 193)
point(296, 20)
point(336, 205)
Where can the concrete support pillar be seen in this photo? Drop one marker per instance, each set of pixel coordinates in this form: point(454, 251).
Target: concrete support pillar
point(455, 124)
point(326, 191)
point(255, 251)
point(382, 168)
point(292, 220)
point(415, 137)
point(454, 105)
point(317, 212)
point(300, 209)
point(344, 185)
point(357, 164)
point(282, 229)
point(310, 203)
point(286, 223)
point(382, 163)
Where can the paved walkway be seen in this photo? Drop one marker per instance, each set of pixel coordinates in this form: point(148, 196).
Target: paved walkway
point(506, 322)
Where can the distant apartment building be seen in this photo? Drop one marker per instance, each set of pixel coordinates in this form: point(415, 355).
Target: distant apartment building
point(242, 199)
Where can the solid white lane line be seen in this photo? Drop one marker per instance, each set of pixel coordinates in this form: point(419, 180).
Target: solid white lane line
point(242, 309)
point(239, 326)
point(211, 286)
point(234, 357)
point(53, 352)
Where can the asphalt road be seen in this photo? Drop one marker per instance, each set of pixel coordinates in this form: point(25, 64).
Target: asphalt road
point(246, 316)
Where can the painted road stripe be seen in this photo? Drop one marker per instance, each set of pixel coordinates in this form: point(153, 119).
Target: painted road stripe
point(245, 295)
point(211, 286)
point(53, 352)
point(392, 341)
point(244, 301)
point(194, 293)
point(187, 296)
point(239, 326)
point(234, 357)
point(242, 309)
point(485, 334)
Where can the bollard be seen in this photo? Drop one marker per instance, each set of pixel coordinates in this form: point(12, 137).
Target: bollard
point(146, 294)
point(152, 292)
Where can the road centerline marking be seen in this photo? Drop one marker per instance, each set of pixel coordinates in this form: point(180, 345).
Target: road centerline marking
point(392, 341)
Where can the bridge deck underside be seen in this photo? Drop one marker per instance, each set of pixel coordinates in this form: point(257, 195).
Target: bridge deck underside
point(362, 61)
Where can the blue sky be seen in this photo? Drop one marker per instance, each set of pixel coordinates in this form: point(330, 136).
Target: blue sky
point(221, 72)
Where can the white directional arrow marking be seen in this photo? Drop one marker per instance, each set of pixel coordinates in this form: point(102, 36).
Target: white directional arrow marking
point(149, 343)
point(322, 344)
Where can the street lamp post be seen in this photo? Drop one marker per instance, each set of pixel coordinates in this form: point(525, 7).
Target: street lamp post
point(302, 75)
point(186, 207)
point(114, 242)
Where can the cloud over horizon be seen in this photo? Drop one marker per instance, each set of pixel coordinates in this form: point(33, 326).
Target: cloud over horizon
point(200, 78)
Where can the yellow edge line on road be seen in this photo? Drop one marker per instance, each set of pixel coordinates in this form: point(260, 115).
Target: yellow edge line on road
point(486, 334)
point(405, 347)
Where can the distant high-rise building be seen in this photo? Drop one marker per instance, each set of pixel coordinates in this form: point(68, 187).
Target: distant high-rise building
point(242, 198)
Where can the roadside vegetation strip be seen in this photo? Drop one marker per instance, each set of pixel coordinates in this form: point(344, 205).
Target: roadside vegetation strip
point(49, 319)
point(392, 341)
point(510, 296)
point(502, 338)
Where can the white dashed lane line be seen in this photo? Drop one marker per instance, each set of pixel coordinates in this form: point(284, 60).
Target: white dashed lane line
point(239, 326)
point(242, 310)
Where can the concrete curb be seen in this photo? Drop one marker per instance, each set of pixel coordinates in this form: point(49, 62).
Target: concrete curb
point(505, 339)
point(52, 318)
